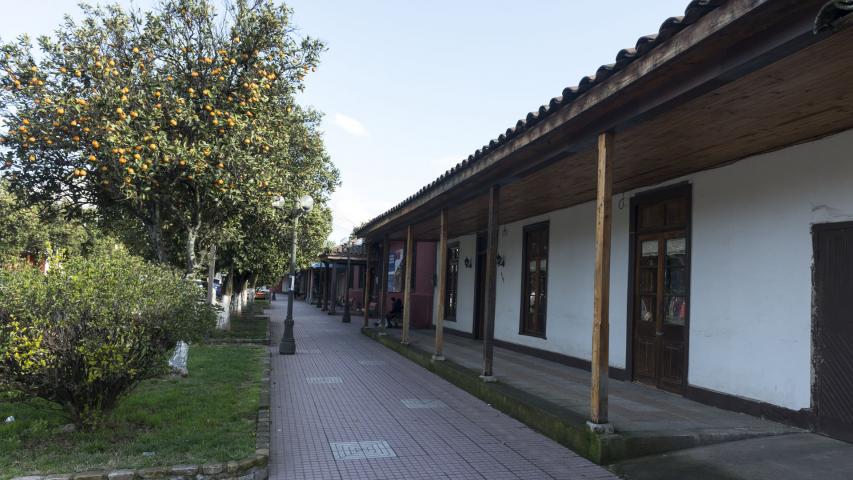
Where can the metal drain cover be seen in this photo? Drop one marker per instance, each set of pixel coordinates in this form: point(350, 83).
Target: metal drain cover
point(417, 403)
point(372, 362)
point(319, 380)
point(361, 450)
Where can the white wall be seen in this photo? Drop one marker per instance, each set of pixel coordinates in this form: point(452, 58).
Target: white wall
point(467, 286)
point(571, 265)
point(750, 326)
point(750, 312)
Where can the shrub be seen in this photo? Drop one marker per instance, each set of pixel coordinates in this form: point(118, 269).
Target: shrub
point(92, 328)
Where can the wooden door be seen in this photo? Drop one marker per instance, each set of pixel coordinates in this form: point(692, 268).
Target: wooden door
point(832, 335)
point(661, 293)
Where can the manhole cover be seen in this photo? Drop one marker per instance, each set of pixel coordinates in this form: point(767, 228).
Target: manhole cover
point(416, 403)
point(318, 380)
point(361, 450)
point(371, 362)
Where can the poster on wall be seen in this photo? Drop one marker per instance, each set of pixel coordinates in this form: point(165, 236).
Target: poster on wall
point(395, 270)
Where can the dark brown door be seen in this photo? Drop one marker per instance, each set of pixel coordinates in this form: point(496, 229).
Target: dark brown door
point(480, 292)
point(661, 296)
point(833, 329)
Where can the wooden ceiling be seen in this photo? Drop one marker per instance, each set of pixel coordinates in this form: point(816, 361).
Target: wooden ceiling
point(798, 98)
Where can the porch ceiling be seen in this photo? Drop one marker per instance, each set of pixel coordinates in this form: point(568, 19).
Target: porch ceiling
point(801, 97)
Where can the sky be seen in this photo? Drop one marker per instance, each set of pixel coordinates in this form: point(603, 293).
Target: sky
point(410, 89)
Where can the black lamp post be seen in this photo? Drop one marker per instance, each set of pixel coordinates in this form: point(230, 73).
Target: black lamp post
point(346, 318)
point(303, 206)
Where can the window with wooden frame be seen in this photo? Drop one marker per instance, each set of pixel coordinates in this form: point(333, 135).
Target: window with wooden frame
point(451, 284)
point(535, 280)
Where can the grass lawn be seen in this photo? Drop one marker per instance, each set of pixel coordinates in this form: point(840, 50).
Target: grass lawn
point(208, 416)
point(247, 325)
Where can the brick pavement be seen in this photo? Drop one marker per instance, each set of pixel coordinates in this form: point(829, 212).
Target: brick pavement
point(345, 396)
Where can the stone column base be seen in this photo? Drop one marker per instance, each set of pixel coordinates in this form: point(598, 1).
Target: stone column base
point(600, 428)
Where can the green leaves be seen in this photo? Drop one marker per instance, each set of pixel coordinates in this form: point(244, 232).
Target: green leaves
point(90, 329)
point(183, 111)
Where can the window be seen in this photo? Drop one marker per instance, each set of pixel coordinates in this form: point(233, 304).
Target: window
point(451, 285)
point(535, 283)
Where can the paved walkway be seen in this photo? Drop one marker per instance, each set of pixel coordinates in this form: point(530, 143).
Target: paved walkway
point(345, 407)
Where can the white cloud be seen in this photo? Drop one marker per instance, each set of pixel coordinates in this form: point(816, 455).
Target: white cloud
point(350, 125)
point(351, 208)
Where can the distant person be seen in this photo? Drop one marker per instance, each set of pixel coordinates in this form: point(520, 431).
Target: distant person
point(395, 313)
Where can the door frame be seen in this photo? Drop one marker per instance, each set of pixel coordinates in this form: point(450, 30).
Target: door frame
point(681, 189)
point(816, 315)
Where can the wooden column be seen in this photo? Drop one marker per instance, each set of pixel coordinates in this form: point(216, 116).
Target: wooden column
point(442, 288)
point(383, 282)
point(334, 289)
point(407, 288)
point(319, 274)
point(326, 280)
point(491, 277)
point(601, 296)
point(366, 287)
point(320, 287)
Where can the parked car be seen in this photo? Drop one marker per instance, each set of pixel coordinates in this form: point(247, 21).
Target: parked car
point(262, 293)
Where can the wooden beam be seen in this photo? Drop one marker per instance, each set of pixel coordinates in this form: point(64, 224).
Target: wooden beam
point(601, 294)
point(383, 282)
point(366, 303)
point(491, 278)
point(407, 289)
point(442, 288)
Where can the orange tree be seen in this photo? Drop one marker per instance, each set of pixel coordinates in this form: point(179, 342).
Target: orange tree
point(180, 118)
point(255, 247)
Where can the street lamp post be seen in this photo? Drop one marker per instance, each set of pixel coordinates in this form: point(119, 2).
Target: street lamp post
point(346, 317)
point(303, 206)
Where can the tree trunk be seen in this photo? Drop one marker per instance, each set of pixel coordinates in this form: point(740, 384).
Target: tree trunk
point(238, 294)
point(225, 314)
point(192, 235)
point(253, 283)
point(155, 232)
point(245, 292)
point(211, 273)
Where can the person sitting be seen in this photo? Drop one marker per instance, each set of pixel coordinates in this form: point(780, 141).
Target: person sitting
point(395, 313)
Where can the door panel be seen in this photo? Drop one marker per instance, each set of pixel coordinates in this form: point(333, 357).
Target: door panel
point(661, 294)
point(645, 366)
point(833, 329)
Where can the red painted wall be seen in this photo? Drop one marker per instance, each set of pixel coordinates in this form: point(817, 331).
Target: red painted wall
point(422, 294)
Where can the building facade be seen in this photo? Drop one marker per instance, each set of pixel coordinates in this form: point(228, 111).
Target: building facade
point(682, 219)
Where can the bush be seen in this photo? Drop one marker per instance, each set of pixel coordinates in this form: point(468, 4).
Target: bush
point(87, 332)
